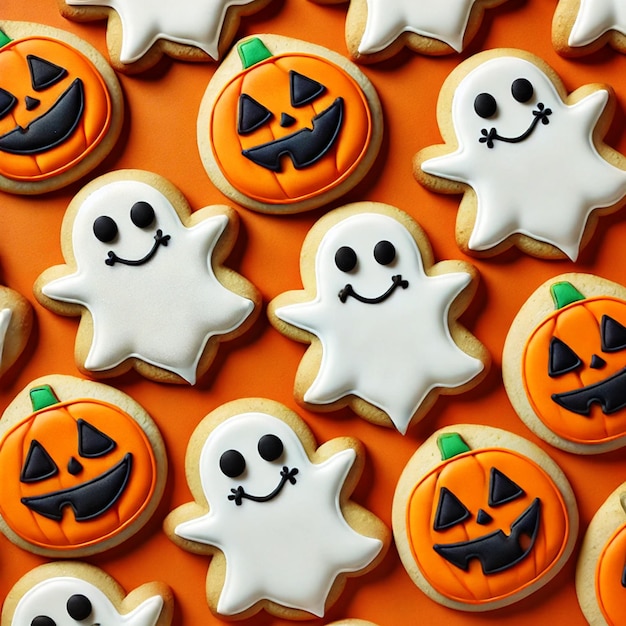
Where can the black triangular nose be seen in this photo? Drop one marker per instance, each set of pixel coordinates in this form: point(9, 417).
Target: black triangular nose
point(597, 362)
point(74, 467)
point(287, 120)
point(483, 517)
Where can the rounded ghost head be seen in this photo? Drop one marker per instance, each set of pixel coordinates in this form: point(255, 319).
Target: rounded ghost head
point(250, 457)
point(123, 223)
point(504, 100)
point(366, 258)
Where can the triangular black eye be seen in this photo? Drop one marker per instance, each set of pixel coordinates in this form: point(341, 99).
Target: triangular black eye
point(92, 443)
point(38, 464)
point(562, 358)
point(613, 334)
point(252, 114)
point(7, 102)
point(450, 510)
point(43, 73)
point(502, 489)
point(303, 89)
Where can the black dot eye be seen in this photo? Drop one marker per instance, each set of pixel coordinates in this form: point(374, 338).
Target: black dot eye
point(105, 229)
point(384, 252)
point(345, 259)
point(232, 463)
point(79, 607)
point(270, 447)
point(142, 214)
point(485, 105)
point(522, 90)
point(43, 620)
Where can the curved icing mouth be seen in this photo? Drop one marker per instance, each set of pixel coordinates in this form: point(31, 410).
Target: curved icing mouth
point(396, 281)
point(609, 393)
point(88, 500)
point(286, 476)
point(159, 240)
point(305, 146)
point(541, 114)
point(496, 551)
point(50, 129)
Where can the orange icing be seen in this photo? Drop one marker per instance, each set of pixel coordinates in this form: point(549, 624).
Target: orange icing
point(609, 570)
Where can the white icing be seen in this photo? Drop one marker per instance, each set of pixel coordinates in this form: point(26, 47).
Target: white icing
point(290, 549)
point(545, 186)
point(190, 22)
point(393, 353)
point(5, 319)
point(50, 597)
point(445, 20)
point(596, 17)
point(162, 312)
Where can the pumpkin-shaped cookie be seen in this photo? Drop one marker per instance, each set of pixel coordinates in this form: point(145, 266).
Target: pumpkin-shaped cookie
point(60, 108)
point(564, 363)
point(83, 471)
point(286, 126)
point(482, 518)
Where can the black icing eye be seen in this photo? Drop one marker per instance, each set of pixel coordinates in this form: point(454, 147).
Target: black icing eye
point(522, 90)
point(502, 489)
point(105, 229)
point(232, 463)
point(43, 73)
point(485, 105)
point(345, 259)
point(303, 89)
point(79, 607)
point(92, 443)
point(384, 252)
point(252, 114)
point(270, 447)
point(38, 464)
point(450, 510)
point(613, 334)
point(142, 214)
point(7, 102)
point(562, 358)
point(43, 620)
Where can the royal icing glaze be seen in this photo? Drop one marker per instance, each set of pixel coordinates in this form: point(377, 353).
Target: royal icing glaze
point(147, 280)
point(55, 108)
point(507, 111)
point(84, 473)
point(188, 22)
point(376, 307)
point(5, 319)
point(304, 126)
point(276, 516)
point(445, 20)
point(594, 18)
point(573, 366)
point(65, 599)
point(610, 578)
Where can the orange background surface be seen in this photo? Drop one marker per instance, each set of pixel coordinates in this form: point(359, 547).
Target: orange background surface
point(159, 135)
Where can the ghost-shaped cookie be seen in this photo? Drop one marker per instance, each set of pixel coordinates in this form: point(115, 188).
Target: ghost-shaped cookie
point(380, 316)
point(528, 158)
point(274, 511)
point(69, 592)
point(147, 278)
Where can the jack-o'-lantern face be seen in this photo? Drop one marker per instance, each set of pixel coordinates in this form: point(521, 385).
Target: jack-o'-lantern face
point(75, 473)
point(574, 367)
point(288, 127)
point(485, 524)
point(54, 107)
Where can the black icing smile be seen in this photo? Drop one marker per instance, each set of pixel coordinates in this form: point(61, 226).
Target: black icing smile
point(540, 114)
point(305, 146)
point(88, 500)
point(496, 551)
point(159, 240)
point(50, 129)
point(396, 281)
point(609, 393)
point(286, 475)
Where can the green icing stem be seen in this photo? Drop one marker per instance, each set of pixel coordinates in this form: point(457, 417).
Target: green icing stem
point(42, 397)
point(4, 39)
point(252, 51)
point(564, 293)
point(451, 444)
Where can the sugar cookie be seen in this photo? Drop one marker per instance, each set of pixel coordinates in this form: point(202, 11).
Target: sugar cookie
point(16, 322)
